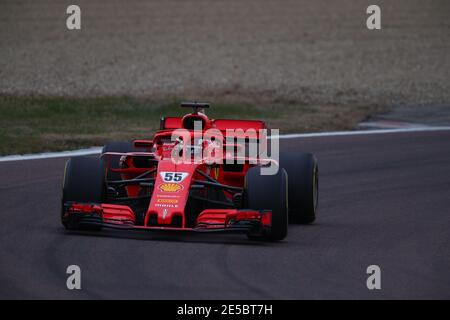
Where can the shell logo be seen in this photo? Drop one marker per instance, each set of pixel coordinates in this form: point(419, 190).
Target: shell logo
point(170, 187)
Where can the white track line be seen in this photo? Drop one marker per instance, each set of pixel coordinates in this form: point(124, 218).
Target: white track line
point(97, 150)
point(49, 155)
point(362, 132)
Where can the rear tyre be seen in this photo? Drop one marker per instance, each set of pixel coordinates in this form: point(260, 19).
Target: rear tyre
point(303, 177)
point(120, 147)
point(268, 193)
point(84, 183)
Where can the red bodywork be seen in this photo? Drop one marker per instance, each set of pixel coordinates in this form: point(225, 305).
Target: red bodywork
point(144, 175)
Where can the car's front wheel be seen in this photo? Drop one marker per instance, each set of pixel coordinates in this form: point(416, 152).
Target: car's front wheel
point(269, 192)
point(84, 183)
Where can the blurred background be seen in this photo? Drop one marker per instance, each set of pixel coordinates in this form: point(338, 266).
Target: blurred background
point(300, 65)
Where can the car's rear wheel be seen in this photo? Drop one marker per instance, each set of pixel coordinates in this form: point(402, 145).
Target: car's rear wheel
point(114, 161)
point(303, 177)
point(83, 183)
point(268, 192)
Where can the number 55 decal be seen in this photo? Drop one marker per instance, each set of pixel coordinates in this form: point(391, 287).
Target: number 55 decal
point(175, 177)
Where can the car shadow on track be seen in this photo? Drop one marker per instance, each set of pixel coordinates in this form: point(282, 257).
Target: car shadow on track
point(169, 236)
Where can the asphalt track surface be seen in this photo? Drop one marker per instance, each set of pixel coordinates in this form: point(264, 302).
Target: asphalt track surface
point(385, 200)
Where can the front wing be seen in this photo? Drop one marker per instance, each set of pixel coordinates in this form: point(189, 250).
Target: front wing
point(254, 222)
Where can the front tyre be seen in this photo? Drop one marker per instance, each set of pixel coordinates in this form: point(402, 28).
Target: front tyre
point(269, 193)
point(84, 183)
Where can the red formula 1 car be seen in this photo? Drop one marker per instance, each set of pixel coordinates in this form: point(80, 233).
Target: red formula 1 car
point(209, 187)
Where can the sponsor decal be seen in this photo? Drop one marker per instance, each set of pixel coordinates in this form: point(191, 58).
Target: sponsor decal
point(165, 195)
point(159, 205)
point(174, 177)
point(170, 187)
point(167, 201)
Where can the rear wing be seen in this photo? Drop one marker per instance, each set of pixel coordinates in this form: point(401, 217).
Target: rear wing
point(171, 123)
point(224, 124)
